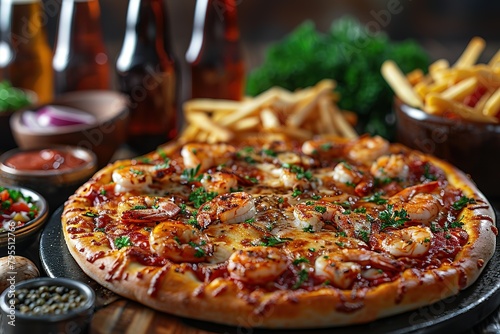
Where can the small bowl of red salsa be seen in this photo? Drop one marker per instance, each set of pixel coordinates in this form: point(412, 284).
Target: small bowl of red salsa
point(55, 172)
point(23, 212)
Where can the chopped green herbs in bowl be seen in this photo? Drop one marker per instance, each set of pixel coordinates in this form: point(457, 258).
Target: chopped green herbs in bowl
point(12, 98)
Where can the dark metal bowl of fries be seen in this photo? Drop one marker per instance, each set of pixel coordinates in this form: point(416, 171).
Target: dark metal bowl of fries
point(453, 112)
point(470, 145)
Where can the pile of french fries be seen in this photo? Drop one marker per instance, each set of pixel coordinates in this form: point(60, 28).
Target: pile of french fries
point(300, 115)
point(466, 89)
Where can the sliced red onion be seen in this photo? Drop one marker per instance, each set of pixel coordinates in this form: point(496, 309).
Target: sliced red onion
point(52, 116)
point(63, 116)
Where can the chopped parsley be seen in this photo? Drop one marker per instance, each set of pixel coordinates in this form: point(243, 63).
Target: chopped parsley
point(123, 241)
point(427, 173)
point(102, 191)
point(341, 234)
point(250, 221)
point(182, 206)
point(136, 171)
point(296, 193)
point(316, 197)
point(457, 223)
point(199, 252)
point(350, 184)
point(248, 159)
point(320, 209)
point(269, 152)
point(252, 179)
point(90, 214)
point(346, 165)
point(139, 207)
point(359, 210)
point(299, 172)
point(363, 235)
point(194, 222)
point(144, 160)
point(189, 174)
point(326, 146)
point(340, 244)
point(462, 203)
point(163, 155)
point(281, 200)
point(375, 198)
point(100, 229)
point(300, 260)
point(345, 204)
point(199, 196)
point(309, 229)
point(272, 241)
point(393, 218)
point(302, 277)
point(312, 249)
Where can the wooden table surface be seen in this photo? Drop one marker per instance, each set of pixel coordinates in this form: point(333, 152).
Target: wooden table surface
point(127, 317)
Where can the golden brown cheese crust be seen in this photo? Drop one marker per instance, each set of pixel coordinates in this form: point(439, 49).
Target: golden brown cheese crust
point(177, 287)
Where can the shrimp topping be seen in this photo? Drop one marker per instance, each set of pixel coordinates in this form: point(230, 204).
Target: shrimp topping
point(230, 208)
point(323, 147)
point(413, 241)
point(219, 182)
point(257, 265)
point(312, 217)
point(390, 166)
point(368, 149)
point(147, 209)
point(131, 178)
point(206, 155)
point(420, 205)
point(345, 174)
point(179, 242)
point(343, 267)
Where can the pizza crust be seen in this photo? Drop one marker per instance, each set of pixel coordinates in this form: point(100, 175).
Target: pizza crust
point(168, 289)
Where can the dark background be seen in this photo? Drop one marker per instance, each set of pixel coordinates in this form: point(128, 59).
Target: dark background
point(443, 27)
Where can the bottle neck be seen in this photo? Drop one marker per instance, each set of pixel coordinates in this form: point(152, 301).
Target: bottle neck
point(79, 30)
point(146, 36)
point(215, 22)
point(6, 53)
point(28, 24)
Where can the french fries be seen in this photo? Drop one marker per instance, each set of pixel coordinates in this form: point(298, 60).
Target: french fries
point(276, 112)
point(466, 89)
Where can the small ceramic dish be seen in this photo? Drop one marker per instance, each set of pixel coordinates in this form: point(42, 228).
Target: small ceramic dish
point(103, 136)
point(20, 236)
point(55, 171)
point(55, 314)
point(471, 146)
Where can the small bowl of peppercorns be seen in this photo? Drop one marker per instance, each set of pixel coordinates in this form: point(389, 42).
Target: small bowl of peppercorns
point(47, 305)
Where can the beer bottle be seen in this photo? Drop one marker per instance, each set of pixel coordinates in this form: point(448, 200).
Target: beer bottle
point(31, 66)
point(6, 53)
point(80, 59)
point(215, 53)
point(146, 73)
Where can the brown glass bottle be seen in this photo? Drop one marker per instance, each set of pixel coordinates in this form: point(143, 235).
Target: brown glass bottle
point(80, 59)
point(31, 66)
point(215, 53)
point(147, 74)
point(6, 52)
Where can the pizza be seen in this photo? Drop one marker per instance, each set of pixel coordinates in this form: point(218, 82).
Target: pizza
point(278, 233)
